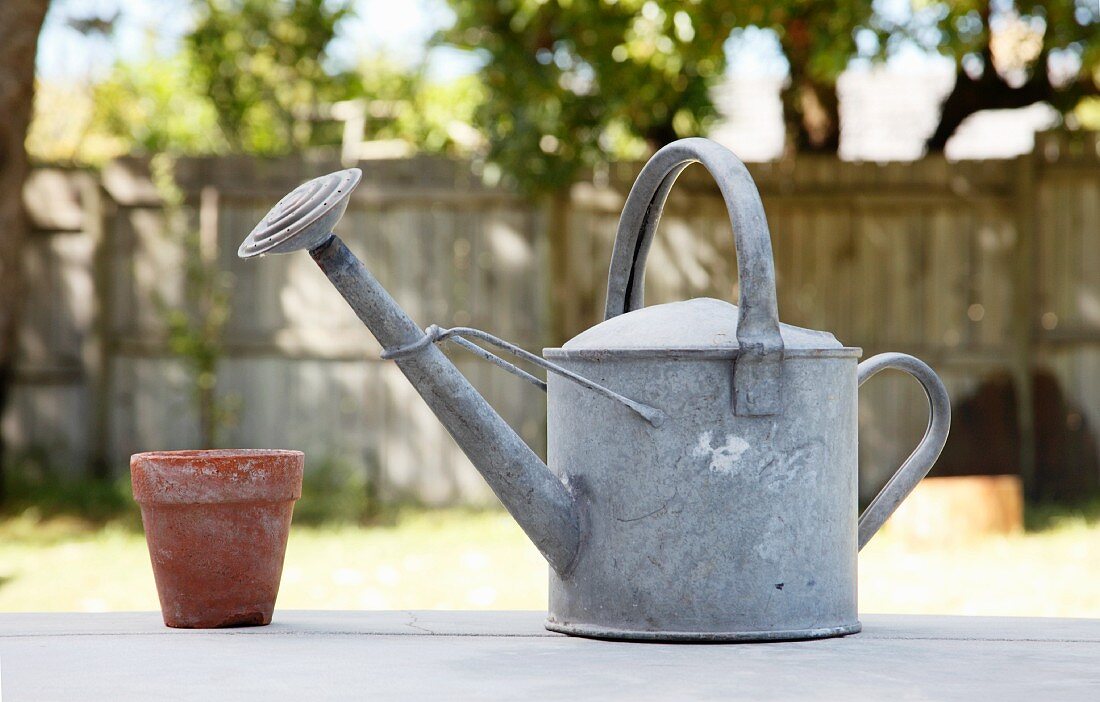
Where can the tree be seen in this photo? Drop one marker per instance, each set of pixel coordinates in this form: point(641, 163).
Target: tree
point(818, 39)
point(400, 102)
point(20, 23)
point(574, 82)
point(61, 121)
point(1004, 51)
point(153, 105)
point(570, 84)
point(248, 78)
point(262, 63)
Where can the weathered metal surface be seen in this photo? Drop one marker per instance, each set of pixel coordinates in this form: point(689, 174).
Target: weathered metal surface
point(719, 525)
point(713, 524)
point(305, 217)
point(539, 502)
point(434, 334)
point(756, 378)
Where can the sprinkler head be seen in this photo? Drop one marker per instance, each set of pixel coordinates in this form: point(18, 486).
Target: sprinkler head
point(304, 219)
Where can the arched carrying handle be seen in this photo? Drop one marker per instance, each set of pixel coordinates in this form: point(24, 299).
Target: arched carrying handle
point(756, 378)
point(927, 451)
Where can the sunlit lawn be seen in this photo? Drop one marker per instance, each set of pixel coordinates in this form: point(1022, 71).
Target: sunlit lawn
point(456, 559)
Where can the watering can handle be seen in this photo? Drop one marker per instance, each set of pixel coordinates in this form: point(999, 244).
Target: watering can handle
point(917, 465)
point(756, 377)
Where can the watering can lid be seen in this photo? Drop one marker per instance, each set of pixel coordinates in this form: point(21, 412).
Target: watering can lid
point(702, 324)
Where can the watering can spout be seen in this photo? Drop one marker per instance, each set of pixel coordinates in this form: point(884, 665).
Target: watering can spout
point(539, 501)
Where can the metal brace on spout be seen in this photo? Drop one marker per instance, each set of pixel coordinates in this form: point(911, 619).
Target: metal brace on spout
point(435, 334)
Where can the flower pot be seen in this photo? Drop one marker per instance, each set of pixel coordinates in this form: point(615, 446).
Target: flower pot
point(217, 523)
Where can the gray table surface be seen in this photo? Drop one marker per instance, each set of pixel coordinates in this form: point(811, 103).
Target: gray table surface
point(312, 655)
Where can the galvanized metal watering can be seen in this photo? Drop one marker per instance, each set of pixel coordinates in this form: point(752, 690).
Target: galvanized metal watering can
point(702, 457)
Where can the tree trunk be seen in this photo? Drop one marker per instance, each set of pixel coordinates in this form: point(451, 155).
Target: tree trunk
point(988, 92)
point(20, 22)
point(662, 134)
point(811, 112)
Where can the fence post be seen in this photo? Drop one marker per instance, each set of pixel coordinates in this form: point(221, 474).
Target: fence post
point(208, 255)
point(562, 301)
point(96, 348)
point(1023, 313)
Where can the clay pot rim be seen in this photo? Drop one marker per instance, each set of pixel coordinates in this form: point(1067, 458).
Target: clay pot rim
point(187, 455)
point(201, 476)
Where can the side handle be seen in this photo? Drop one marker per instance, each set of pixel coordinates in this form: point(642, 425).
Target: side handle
point(927, 451)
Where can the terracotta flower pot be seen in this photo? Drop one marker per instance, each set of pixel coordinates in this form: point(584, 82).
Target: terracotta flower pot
point(217, 523)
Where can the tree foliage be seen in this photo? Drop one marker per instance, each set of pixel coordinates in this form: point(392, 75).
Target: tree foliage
point(818, 39)
point(154, 105)
point(574, 82)
point(402, 103)
point(262, 64)
point(1008, 54)
point(571, 83)
point(253, 77)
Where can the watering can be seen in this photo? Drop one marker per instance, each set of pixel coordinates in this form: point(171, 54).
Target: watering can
point(702, 457)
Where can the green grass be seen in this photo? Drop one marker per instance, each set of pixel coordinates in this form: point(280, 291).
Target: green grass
point(1053, 569)
point(445, 559)
point(463, 559)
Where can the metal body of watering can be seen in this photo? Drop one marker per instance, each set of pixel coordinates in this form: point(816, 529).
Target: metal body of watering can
point(702, 456)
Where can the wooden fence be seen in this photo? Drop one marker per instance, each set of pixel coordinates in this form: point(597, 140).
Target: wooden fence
point(990, 271)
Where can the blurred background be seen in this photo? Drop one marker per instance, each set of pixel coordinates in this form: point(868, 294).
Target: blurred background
point(930, 172)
